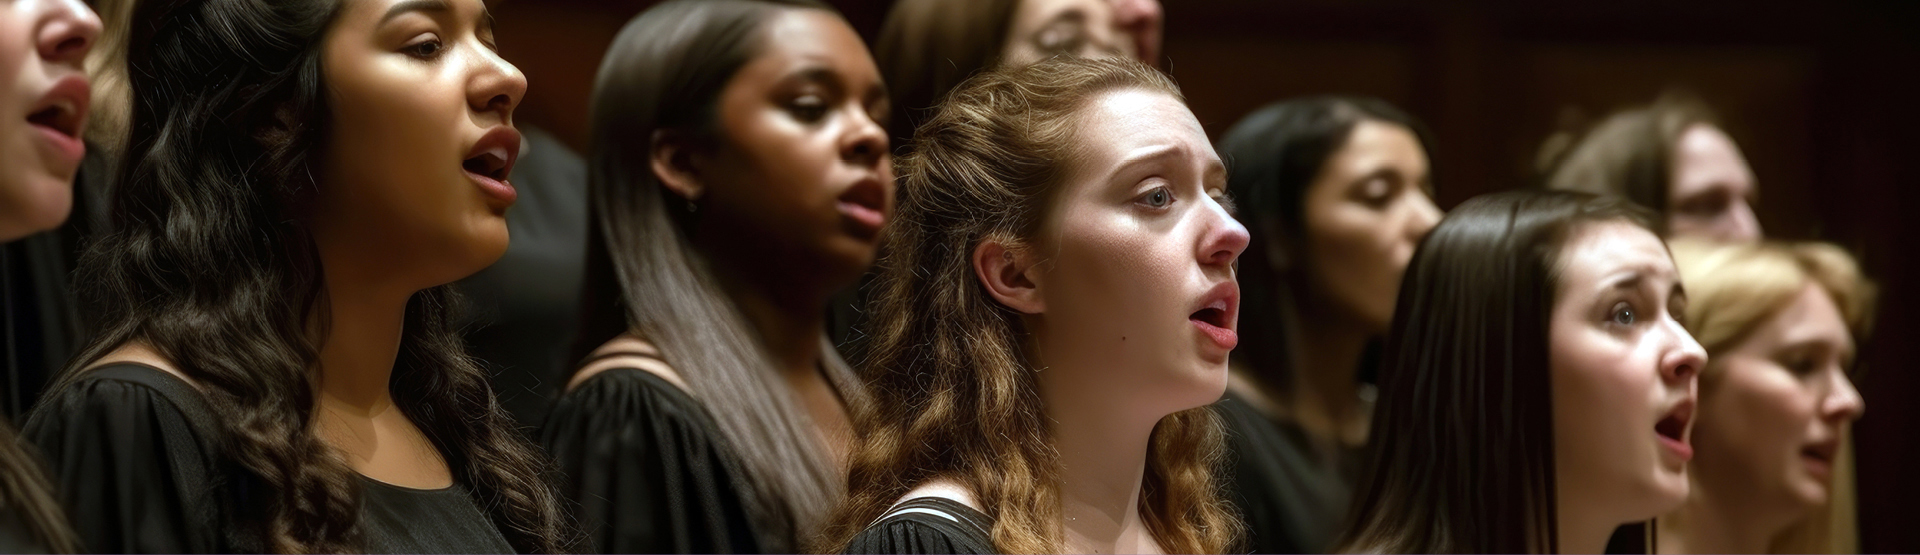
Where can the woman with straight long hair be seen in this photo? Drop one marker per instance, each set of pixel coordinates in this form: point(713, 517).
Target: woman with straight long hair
point(1052, 316)
point(1337, 192)
point(739, 176)
point(277, 369)
point(1538, 386)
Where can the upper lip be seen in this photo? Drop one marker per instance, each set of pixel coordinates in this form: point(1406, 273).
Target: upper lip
point(498, 149)
point(64, 107)
point(1681, 416)
point(1224, 297)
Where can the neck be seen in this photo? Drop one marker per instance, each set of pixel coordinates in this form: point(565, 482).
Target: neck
point(1103, 454)
point(362, 342)
point(789, 323)
point(1709, 524)
point(1325, 390)
point(1578, 536)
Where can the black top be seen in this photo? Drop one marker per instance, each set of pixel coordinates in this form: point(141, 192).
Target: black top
point(136, 456)
point(1292, 492)
point(647, 469)
point(926, 525)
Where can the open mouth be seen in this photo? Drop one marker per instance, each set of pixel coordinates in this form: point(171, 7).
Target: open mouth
point(865, 206)
point(1672, 429)
point(1217, 314)
point(1823, 452)
point(1213, 316)
point(493, 163)
point(59, 117)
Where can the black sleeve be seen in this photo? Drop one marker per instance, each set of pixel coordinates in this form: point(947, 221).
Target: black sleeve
point(916, 535)
point(646, 468)
point(129, 467)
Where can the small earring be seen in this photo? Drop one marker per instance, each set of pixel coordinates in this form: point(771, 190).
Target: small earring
point(691, 207)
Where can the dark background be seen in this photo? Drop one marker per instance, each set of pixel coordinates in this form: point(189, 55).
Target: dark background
point(1820, 95)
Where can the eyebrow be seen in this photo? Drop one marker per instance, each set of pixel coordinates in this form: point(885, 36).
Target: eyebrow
point(1150, 154)
point(416, 6)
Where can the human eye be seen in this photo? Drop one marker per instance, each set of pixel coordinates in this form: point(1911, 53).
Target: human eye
point(426, 48)
point(808, 108)
point(1158, 199)
point(1623, 314)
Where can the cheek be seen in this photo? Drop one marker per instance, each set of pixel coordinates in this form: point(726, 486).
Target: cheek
point(1602, 390)
point(775, 175)
point(1356, 259)
point(1757, 413)
point(1111, 280)
point(402, 149)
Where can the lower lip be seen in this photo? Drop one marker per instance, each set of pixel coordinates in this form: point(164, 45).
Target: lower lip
point(1820, 469)
point(70, 148)
point(1679, 448)
point(866, 219)
point(496, 189)
point(1223, 337)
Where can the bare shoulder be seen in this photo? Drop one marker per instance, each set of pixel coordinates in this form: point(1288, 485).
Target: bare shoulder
point(627, 351)
point(140, 353)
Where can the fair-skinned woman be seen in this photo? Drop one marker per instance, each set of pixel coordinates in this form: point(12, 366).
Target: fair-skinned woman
point(732, 193)
point(1774, 471)
point(1538, 386)
point(278, 369)
point(1337, 192)
point(1671, 156)
point(43, 111)
point(1052, 318)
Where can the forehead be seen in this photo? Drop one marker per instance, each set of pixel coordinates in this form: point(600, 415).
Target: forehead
point(1119, 123)
point(1810, 316)
point(1034, 12)
point(1708, 154)
point(1599, 250)
point(803, 35)
point(1375, 142)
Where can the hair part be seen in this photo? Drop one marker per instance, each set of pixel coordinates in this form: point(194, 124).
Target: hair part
point(1461, 458)
point(953, 393)
point(664, 75)
point(208, 248)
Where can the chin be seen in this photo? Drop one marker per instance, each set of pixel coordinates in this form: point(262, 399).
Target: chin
point(40, 203)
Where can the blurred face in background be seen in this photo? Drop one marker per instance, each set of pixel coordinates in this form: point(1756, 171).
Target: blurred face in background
point(1364, 215)
point(1089, 28)
point(1623, 373)
point(802, 178)
point(44, 97)
point(1712, 189)
point(1775, 407)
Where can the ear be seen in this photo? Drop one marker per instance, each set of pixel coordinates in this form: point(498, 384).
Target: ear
point(1010, 276)
point(672, 156)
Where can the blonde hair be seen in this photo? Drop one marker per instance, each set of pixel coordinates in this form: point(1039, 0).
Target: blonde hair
point(953, 393)
point(1732, 291)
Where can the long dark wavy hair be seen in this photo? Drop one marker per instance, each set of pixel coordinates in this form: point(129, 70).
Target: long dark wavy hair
point(954, 394)
point(1274, 156)
point(665, 72)
point(208, 263)
point(1460, 458)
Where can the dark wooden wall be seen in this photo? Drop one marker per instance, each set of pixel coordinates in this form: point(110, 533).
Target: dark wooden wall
point(1821, 96)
